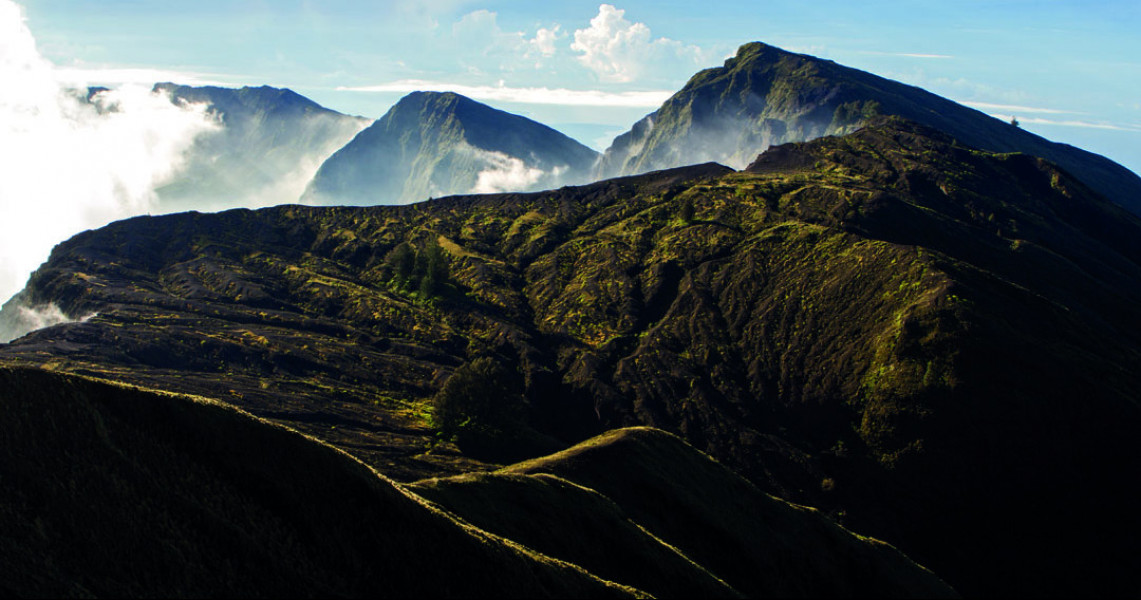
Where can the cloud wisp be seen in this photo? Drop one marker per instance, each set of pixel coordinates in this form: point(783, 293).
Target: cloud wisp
point(71, 160)
point(1067, 123)
point(1007, 112)
point(908, 54)
point(19, 318)
point(525, 95)
point(1019, 109)
point(81, 76)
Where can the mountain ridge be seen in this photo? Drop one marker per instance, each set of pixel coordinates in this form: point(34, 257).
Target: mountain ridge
point(933, 344)
point(765, 96)
point(204, 499)
point(440, 143)
point(270, 143)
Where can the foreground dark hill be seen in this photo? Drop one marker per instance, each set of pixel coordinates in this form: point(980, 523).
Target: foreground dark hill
point(601, 503)
point(436, 144)
point(119, 492)
point(765, 96)
point(270, 144)
point(936, 345)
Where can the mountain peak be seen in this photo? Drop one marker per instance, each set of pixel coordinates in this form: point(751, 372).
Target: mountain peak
point(765, 96)
point(439, 143)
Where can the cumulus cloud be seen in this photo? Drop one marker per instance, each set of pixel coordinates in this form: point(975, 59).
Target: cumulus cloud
point(544, 41)
point(524, 95)
point(70, 162)
point(620, 51)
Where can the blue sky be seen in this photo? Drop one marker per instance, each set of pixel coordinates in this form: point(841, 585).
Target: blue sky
point(1070, 71)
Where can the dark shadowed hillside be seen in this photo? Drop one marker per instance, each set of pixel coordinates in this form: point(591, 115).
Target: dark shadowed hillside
point(766, 96)
point(113, 491)
point(118, 491)
point(435, 144)
point(934, 345)
point(655, 490)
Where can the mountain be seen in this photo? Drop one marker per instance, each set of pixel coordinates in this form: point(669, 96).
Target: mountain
point(114, 491)
point(935, 345)
point(271, 142)
point(765, 96)
point(120, 491)
point(601, 503)
point(435, 144)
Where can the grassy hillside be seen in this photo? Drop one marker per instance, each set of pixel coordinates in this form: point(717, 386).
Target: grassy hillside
point(935, 345)
point(115, 491)
point(657, 492)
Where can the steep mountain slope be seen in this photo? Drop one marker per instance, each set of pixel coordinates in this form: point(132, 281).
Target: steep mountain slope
point(936, 345)
point(765, 96)
point(271, 143)
point(434, 144)
point(117, 491)
point(113, 491)
point(653, 489)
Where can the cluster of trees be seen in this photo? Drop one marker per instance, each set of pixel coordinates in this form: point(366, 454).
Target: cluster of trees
point(481, 405)
point(424, 271)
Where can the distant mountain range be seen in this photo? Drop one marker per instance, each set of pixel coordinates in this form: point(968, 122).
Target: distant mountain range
point(934, 342)
point(434, 144)
point(270, 144)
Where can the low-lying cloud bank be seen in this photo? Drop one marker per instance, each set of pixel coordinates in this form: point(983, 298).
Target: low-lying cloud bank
point(74, 159)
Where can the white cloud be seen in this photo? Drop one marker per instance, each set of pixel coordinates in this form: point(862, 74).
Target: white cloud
point(620, 51)
point(525, 95)
point(504, 174)
point(18, 318)
point(79, 75)
point(478, 35)
point(907, 54)
point(1067, 123)
point(69, 164)
point(1011, 111)
point(920, 55)
point(544, 41)
point(1019, 109)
